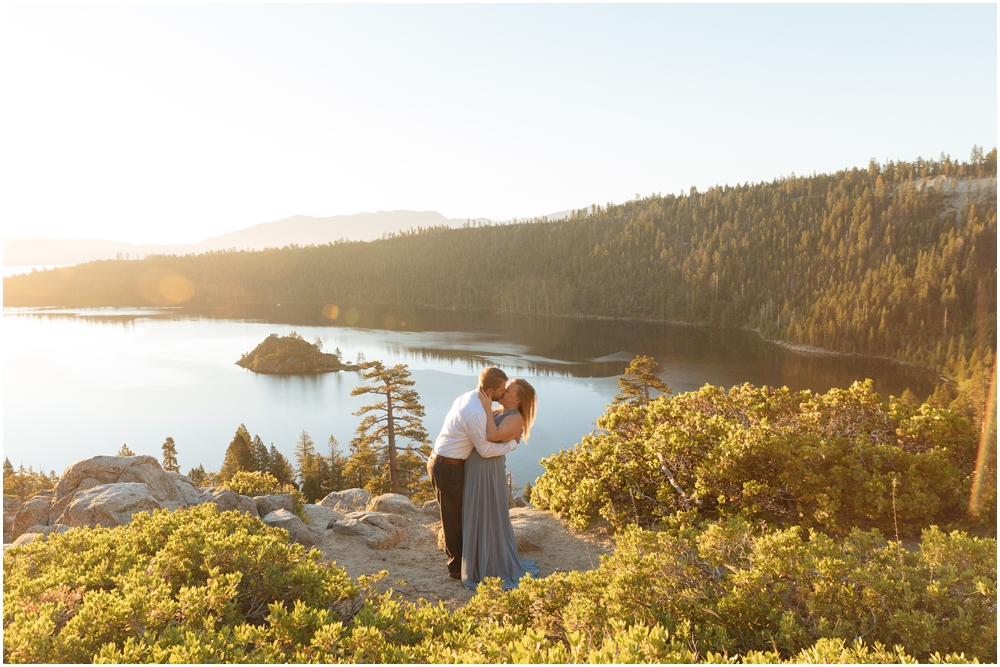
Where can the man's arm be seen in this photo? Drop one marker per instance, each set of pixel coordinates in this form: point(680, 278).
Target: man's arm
point(475, 424)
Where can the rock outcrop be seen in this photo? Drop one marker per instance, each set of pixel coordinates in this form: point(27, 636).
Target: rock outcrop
point(319, 517)
point(297, 530)
point(380, 530)
point(108, 505)
point(530, 528)
point(267, 504)
point(227, 500)
point(32, 512)
point(392, 503)
point(349, 500)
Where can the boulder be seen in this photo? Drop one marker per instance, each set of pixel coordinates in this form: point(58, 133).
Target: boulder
point(108, 505)
point(319, 517)
point(47, 530)
point(187, 492)
point(297, 530)
point(379, 530)
point(392, 503)
point(11, 504)
point(350, 500)
point(531, 528)
point(267, 504)
point(34, 511)
point(431, 507)
point(229, 500)
point(515, 502)
point(112, 469)
point(26, 538)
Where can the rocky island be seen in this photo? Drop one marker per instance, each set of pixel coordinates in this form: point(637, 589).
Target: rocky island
point(291, 355)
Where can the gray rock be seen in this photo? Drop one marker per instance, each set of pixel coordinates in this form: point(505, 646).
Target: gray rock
point(105, 469)
point(10, 504)
point(47, 530)
point(25, 538)
point(392, 503)
point(34, 511)
point(515, 502)
point(187, 492)
point(108, 505)
point(319, 517)
point(297, 530)
point(350, 500)
point(229, 500)
point(531, 528)
point(268, 504)
point(431, 507)
point(379, 530)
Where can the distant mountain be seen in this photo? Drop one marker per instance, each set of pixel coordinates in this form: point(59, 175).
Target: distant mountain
point(298, 230)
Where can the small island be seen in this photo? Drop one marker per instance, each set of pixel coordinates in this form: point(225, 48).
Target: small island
point(291, 355)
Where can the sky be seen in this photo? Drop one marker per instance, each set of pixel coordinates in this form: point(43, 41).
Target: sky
point(176, 123)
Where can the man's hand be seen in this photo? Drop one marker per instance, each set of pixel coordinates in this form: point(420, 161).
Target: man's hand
point(486, 401)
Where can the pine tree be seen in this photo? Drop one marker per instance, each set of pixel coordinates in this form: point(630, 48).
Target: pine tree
point(362, 469)
point(125, 451)
point(309, 468)
point(336, 461)
point(197, 475)
point(238, 455)
point(261, 458)
point(279, 467)
point(395, 417)
point(170, 456)
point(637, 380)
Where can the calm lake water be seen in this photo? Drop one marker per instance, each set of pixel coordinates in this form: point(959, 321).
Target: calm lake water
point(78, 383)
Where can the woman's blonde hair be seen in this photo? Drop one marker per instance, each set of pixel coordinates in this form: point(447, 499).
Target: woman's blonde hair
point(527, 408)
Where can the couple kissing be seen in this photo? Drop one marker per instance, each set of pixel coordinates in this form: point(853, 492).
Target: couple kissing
point(468, 473)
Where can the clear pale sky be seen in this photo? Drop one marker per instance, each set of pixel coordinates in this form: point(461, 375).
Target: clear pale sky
point(180, 122)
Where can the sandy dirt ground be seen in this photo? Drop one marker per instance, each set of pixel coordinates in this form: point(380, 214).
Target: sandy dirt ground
point(419, 562)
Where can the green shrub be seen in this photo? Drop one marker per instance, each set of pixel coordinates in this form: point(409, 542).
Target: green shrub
point(193, 585)
point(822, 461)
point(253, 483)
point(731, 589)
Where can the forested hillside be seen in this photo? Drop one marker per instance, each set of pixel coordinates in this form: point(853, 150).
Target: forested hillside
point(896, 260)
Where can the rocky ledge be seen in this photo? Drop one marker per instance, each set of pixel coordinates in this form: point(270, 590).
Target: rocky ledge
point(291, 355)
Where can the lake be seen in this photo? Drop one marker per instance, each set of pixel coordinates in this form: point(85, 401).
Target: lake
point(78, 383)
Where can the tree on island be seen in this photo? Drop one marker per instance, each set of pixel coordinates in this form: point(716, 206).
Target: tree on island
point(639, 377)
point(394, 417)
point(125, 451)
point(170, 456)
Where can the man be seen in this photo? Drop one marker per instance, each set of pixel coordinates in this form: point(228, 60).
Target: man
point(464, 428)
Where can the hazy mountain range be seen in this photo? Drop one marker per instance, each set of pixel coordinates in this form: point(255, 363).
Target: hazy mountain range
point(298, 229)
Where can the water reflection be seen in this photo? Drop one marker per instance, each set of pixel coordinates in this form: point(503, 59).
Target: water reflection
point(80, 382)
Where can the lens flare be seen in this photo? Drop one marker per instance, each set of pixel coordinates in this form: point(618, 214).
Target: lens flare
point(352, 316)
point(176, 289)
point(331, 311)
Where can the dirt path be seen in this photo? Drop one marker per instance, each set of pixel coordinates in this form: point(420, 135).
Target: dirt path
point(419, 562)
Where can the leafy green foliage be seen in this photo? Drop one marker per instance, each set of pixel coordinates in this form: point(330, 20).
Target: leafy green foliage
point(822, 461)
point(202, 586)
point(395, 417)
point(25, 482)
point(638, 380)
point(193, 585)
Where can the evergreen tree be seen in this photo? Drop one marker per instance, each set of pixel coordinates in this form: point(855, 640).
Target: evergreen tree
point(310, 468)
point(261, 458)
point(198, 475)
point(336, 461)
point(393, 418)
point(280, 468)
point(363, 469)
point(637, 381)
point(170, 456)
point(125, 451)
point(239, 455)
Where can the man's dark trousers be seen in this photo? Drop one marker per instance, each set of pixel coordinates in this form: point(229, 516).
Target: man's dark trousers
point(448, 480)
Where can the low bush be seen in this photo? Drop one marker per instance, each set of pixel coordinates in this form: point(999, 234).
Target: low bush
point(841, 460)
point(254, 483)
point(197, 585)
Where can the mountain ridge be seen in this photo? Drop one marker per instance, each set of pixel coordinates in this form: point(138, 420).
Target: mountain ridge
point(296, 229)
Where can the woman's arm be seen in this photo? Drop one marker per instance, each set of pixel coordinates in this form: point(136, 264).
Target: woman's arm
point(509, 429)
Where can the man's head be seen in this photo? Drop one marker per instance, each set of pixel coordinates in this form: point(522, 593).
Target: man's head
point(493, 382)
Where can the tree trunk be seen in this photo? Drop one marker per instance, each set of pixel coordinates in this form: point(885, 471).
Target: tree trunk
point(393, 470)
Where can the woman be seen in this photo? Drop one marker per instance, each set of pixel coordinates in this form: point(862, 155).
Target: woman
point(489, 548)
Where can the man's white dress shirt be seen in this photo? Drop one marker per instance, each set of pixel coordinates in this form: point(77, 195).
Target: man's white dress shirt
point(465, 428)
